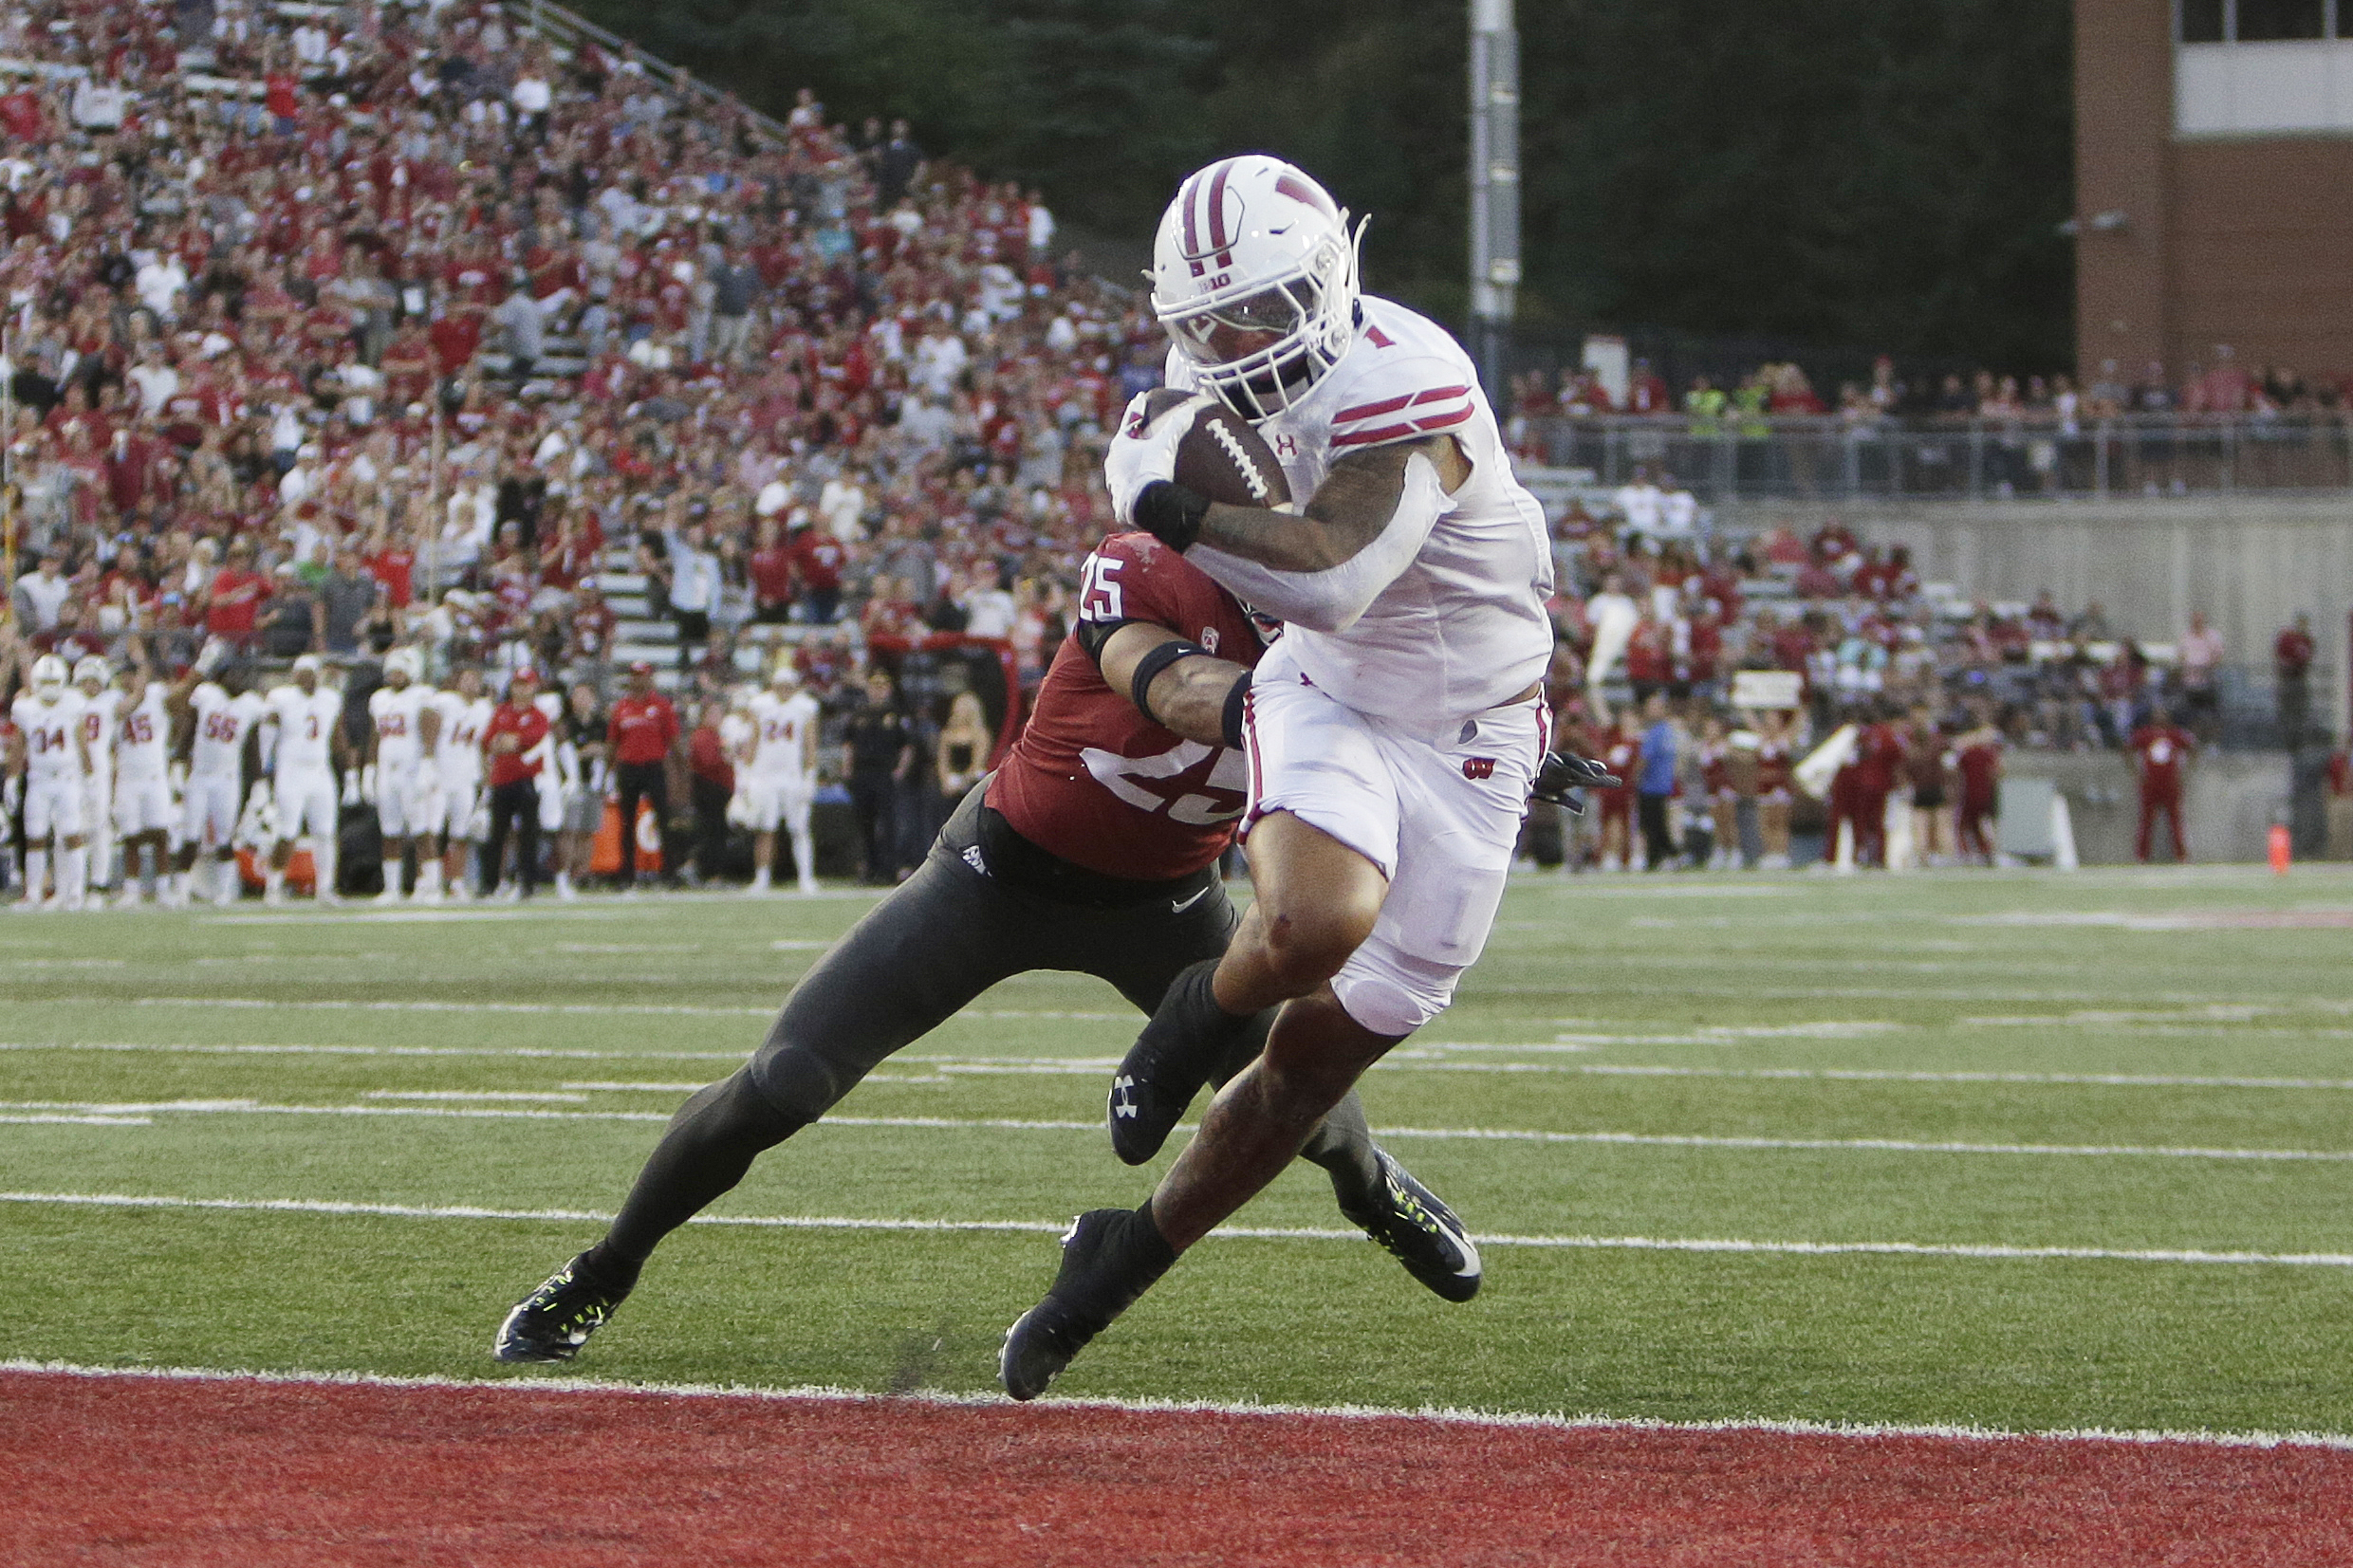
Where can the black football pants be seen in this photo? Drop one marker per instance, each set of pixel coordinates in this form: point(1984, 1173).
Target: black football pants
point(922, 955)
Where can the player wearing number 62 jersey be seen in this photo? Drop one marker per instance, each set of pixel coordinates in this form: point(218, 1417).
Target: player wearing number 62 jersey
point(1093, 848)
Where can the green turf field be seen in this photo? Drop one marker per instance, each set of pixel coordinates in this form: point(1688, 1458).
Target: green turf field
point(2002, 1061)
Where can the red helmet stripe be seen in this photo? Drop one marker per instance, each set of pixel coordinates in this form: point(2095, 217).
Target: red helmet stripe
point(1217, 214)
point(1193, 233)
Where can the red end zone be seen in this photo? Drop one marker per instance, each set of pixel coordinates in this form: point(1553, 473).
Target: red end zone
point(251, 1474)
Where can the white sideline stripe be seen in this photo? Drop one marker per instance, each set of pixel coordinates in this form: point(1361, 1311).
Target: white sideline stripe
point(44, 1120)
point(471, 1094)
point(589, 1386)
point(1598, 1243)
point(1018, 1124)
point(1407, 1060)
point(590, 1008)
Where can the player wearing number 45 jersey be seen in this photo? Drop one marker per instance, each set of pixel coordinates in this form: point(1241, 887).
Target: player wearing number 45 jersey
point(1093, 848)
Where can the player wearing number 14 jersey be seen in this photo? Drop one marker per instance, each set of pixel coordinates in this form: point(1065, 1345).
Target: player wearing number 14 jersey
point(1094, 848)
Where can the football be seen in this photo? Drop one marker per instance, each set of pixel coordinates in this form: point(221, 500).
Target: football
point(1223, 458)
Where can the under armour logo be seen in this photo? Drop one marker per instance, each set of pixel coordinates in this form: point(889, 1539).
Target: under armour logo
point(1478, 768)
point(1122, 1104)
point(971, 856)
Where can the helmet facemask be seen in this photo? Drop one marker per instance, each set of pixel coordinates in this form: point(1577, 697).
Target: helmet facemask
point(1261, 345)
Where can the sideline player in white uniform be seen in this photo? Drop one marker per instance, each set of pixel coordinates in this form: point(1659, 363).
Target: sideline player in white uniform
point(101, 725)
point(222, 718)
point(143, 788)
point(1395, 731)
point(455, 818)
point(400, 712)
point(303, 745)
point(55, 759)
point(778, 775)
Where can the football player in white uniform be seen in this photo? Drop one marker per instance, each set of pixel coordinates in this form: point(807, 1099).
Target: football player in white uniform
point(777, 774)
point(303, 745)
point(1394, 732)
point(455, 815)
point(144, 813)
point(400, 712)
point(101, 724)
point(222, 718)
point(55, 760)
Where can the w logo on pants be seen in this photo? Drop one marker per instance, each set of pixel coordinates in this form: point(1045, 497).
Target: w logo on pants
point(1478, 768)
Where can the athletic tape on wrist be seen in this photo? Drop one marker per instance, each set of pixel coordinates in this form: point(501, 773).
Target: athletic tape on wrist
point(1139, 685)
point(1171, 513)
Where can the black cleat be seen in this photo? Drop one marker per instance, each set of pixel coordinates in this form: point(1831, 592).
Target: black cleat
point(1418, 1228)
point(552, 1322)
point(1109, 1257)
point(1182, 1045)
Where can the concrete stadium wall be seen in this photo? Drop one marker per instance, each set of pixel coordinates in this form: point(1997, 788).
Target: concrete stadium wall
point(2234, 798)
point(2249, 564)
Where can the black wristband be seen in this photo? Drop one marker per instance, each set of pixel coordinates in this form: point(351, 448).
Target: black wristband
point(1237, 702)
point(1171, 513)
point(1162, 656)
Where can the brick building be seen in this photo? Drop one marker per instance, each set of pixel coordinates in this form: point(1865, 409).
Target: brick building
point(2213, 183)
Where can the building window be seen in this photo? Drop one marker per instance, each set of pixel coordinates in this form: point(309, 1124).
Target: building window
point(2268, 21)
point(2202, 22)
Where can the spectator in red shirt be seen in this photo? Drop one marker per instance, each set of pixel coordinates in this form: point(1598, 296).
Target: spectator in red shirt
point(711, 778)
point(232, 600)
point(817, 555)
point(516, 742)
point(642, 731)
point(770, 569)
point(2340, 804)
point(2292, 661)
point(2161, 751)
point(1978, 757)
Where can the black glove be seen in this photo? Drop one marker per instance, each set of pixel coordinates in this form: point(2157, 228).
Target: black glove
point(1564, 774)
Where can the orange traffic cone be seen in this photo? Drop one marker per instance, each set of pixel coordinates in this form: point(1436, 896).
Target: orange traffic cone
point(2279, 849)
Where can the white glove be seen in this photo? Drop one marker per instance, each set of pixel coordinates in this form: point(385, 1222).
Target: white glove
point(210, 655)
point(1142, 453)
point(739, 810)
point(262, 798)
point(368, 785)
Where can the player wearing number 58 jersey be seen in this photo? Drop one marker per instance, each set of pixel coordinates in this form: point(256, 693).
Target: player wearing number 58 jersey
point(1093, 848)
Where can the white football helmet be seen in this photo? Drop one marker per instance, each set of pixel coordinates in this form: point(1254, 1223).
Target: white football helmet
point(1255, 276)
point(49, 676)
point(93, 670)
point(404, 663)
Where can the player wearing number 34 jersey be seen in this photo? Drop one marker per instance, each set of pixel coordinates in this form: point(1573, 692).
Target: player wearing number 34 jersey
point(1093, 848)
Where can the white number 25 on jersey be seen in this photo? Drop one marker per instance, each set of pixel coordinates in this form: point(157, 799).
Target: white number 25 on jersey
point(1127, 777)
point(1099, 591)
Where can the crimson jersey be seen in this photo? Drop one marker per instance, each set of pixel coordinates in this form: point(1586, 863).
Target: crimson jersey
point(1980, 765)
point(1092, 780)
point(2162, 748)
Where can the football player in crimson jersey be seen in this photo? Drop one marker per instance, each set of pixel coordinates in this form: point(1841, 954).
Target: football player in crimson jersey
point(1093, 847)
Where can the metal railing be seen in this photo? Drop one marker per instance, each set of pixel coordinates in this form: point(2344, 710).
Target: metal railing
point(1828, 458)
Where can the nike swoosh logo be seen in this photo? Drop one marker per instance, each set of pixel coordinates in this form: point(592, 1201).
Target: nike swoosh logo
point(1178, 906)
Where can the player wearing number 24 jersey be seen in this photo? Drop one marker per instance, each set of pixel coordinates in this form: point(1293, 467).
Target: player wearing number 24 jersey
point(1092, 849)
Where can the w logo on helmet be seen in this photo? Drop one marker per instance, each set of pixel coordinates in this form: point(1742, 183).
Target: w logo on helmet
point(1478, 768)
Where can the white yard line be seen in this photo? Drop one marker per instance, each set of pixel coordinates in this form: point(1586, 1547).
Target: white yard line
point(1989, 1252)
point(588, 1008)
point(44, 1119)
point(591, 1387)
point(1020, 1124)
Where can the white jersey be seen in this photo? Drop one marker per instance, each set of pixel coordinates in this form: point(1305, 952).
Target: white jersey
point(781, 729)
point(142, 746)
point(51, 730)
point(394, 715)
point(305, 722)
point(1463, 628)
point(458, 753)
point(223, 722)
point(102, 720)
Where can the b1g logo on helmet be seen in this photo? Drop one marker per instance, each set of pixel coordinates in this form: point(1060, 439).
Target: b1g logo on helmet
point(1478, 768)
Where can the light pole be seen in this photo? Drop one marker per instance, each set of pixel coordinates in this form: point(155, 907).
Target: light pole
point(1495, 185)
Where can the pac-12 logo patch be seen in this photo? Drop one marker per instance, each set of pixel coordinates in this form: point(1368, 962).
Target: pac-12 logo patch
point(1478, 768)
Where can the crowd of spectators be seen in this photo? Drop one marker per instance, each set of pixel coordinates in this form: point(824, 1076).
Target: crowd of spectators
point(394, 325)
